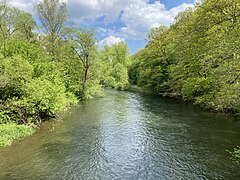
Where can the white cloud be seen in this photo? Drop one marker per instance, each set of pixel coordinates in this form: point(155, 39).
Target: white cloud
point(141, 17)
point(25, 5)
point(137, 16)
point(93, 9)
point(109, 41)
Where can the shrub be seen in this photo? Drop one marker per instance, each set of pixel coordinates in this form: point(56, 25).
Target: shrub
point(48, 98)
point(235, 154)
point(11, 132)
point(195, 87)
point(14, 73)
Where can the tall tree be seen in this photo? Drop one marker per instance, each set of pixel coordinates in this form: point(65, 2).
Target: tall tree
point(84, 46)
point(14, 22)
point(52, 15)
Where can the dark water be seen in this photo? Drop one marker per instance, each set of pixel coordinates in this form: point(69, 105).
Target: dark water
point(127, 136)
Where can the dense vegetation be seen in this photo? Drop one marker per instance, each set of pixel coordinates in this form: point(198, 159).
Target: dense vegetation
point(47, 67)
point(11, 132)
point(197, 58)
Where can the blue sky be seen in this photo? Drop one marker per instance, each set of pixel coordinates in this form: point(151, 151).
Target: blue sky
point(173, 3)
point(119, 20)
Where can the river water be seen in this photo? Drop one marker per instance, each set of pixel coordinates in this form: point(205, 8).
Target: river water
point(126, 135)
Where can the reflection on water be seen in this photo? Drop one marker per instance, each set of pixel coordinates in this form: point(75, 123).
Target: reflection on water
point(127, 136)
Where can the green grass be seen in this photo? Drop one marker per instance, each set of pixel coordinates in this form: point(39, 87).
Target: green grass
point(11, 132)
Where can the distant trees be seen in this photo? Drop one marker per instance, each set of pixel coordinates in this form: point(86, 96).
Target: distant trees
point(116, 63)
point(196, 58)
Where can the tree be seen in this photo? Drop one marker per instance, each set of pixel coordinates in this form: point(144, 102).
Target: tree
point(120, 75)
point(197, 58)
point(119, 53)
point(24, 26)
point(150, 69)
point(52, 15)
point(14, 23)
point(116, 62)
point(84, 46)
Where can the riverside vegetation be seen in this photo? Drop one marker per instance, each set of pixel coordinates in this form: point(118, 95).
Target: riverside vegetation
point(43, 73)
point(196, 59)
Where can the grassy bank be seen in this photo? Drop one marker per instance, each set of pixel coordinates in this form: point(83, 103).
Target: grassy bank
point(11, 132)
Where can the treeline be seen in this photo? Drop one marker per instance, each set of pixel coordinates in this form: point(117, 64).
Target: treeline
point(197, 58)
point(47, 67)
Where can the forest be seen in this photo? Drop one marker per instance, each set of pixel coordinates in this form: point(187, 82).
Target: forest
point(49, 64)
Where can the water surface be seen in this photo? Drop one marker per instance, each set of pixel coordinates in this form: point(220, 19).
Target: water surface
point(127, 135)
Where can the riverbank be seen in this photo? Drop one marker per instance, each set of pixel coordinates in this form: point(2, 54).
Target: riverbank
point(13, 132)
point(178, 96)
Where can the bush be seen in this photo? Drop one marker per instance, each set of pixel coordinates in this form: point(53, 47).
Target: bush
point(93, 88)
point(228, 99)
point(110, 82)
point(235, 155)
point(11, 132)
point(41, 99)
point(48, 98)
point(195, 87)
point(14, 73)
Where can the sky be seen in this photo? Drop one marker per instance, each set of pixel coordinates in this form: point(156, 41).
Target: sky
point(118, 20)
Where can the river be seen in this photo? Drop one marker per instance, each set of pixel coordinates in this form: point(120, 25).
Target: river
point(126, 135)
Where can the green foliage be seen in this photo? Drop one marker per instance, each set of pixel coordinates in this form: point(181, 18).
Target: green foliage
point(82, 68)
point(195, 87)
point(150, 69)
point(235, 154)
point(27, 50)
point(52, 15)
point(115, 62)
point(119, 53)
point(47, 96)
point(14, 72)
point(133, 72)
point(197, 58)
point(12, 132)
point(93, 89)
point(16, 24)
point(110, 82)
point(29, 92)
point(228, 99)
point(120, 74)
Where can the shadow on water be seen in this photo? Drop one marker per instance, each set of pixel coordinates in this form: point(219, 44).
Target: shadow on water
point(195, 139)
point(127, 135)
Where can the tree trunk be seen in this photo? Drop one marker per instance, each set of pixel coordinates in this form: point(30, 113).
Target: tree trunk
point(84, 81)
